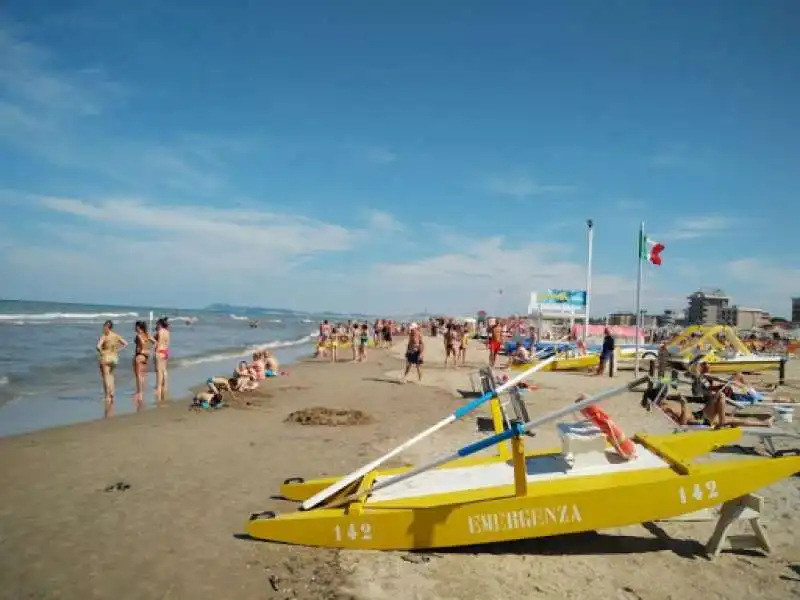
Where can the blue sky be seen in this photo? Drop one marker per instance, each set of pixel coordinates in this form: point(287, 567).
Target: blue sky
point(393, 156)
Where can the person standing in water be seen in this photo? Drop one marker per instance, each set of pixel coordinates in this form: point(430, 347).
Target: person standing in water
point(162, 357)
point(108, 346)
point(143, 343)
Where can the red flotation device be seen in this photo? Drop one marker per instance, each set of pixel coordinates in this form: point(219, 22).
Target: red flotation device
point(614, 434)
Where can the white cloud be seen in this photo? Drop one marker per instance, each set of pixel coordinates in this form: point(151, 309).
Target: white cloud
point(521, 187)
point(470, 278)
point(37, 93)
point(764, 284)
point(130, 251)
point(381, 221)
point(697, 227)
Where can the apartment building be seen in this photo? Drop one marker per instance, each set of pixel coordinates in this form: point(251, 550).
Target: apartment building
point(705, 307)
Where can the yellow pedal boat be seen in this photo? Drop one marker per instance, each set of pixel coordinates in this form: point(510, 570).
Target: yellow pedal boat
point(565, 363)
point(461, 500)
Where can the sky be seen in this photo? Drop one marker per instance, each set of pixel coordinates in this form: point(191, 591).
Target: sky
point(388, 157)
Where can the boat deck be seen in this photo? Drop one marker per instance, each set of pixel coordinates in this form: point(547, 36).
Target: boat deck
point(540, 468)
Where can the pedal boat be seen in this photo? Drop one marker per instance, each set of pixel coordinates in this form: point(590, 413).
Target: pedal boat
point(463, 500)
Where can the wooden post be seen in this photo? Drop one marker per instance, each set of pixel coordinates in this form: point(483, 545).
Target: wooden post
point(520, 466)
point(612, 363)
point(782, 372)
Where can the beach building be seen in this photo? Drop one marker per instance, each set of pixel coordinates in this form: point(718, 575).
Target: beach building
point(796, 309)
point(742, 317)
point(628, 319)
point(705, 307)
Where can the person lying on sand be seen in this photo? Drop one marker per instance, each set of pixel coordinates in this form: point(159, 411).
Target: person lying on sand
point(713, 413)
point(210, 399)
point(742, 391)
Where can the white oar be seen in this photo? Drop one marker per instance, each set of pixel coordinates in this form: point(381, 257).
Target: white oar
point(342, 483)
point(515, 430)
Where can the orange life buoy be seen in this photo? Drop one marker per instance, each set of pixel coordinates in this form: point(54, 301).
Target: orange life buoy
point(614, 434)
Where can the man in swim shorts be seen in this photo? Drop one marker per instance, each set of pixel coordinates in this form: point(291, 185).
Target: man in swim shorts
point(495, 342)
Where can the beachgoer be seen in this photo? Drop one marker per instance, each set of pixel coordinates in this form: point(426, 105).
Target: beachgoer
point(495, 342)
point(387, 334)
point(414, 352)
point(143, 342)
point(162, 358)
point(606, 352)
point(108, 346)
point(355, 336)
point(712, 414)
point(258, 366)
point(465, 334)
point(271, 363)
point(363, 342)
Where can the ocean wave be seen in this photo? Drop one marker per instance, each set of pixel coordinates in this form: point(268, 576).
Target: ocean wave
point(238, 318)
point(188, 320)
point(4, 380)
point(64, 316)
point(242, 352)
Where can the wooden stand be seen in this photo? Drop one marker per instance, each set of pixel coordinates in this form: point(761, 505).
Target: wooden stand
point(745, 508)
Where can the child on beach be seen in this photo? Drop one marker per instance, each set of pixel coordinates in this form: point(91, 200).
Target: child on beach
point(414, 352)
point(363, 341)
point(108, 346)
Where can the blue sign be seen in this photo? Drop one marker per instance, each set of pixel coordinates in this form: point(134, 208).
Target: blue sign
point(576, 298)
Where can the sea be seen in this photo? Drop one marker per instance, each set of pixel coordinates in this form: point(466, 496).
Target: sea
point(48, 362)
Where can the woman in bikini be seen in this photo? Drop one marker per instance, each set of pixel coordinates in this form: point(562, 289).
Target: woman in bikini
point(162, 357)
point(143, 343)
point(108, 346)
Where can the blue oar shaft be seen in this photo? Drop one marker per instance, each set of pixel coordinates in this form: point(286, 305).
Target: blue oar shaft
point(342, 483)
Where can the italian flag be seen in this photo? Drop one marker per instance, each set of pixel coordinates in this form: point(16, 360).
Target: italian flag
point(650, 250)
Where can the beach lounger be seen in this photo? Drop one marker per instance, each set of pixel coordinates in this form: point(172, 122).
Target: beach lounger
point(515, 401)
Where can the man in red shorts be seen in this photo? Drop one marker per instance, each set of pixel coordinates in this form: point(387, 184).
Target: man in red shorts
point(495, 341)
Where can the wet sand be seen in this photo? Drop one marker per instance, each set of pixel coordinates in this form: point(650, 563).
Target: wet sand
point(68, 531)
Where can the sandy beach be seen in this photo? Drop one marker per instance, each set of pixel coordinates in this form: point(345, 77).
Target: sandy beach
point(189, 480)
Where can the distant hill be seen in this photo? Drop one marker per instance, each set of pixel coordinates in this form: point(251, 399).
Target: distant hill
point(231, 308)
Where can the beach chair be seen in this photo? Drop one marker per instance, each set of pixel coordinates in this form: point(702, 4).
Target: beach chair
point(514, 400)
point(766, 435)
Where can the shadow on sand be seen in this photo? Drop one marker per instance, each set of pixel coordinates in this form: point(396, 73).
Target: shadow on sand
point(383, 380)
point(590, 542)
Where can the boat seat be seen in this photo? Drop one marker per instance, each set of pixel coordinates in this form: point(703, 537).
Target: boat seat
point(580, 437)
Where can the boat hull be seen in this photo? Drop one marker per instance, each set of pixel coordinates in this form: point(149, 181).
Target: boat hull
point(574, 363)
point(738, 366)
point(555, 506)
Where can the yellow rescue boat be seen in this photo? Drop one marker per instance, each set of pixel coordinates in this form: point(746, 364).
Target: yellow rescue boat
point(461, 500)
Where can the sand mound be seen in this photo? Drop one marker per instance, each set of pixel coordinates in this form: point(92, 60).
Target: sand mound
point(335, 417)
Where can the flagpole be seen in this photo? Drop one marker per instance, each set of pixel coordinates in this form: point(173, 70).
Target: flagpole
point(590, 240)
point(639, 299)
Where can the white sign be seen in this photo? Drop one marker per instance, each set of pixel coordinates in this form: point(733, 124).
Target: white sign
point(525, 518)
